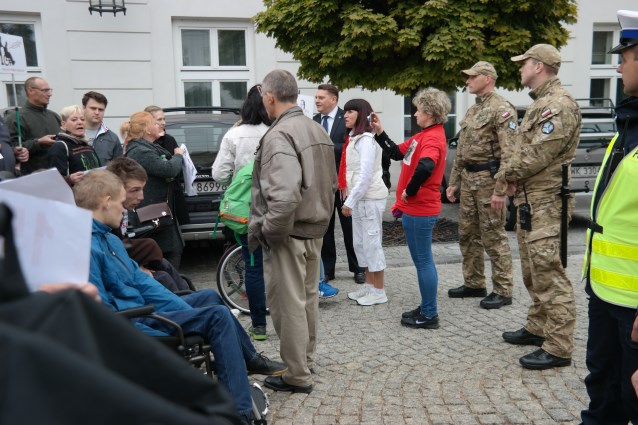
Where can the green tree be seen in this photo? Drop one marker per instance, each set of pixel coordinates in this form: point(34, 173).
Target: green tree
point(402, 45)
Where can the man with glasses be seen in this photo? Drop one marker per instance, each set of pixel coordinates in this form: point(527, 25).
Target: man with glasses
point(38, 125)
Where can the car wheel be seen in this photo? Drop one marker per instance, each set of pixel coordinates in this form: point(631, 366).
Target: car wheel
point(510, 214)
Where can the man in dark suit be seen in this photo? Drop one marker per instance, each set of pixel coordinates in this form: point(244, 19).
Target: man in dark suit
point(330, 116)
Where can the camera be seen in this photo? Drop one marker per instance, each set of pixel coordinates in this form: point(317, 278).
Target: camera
point(493, 165)
point(525, 216)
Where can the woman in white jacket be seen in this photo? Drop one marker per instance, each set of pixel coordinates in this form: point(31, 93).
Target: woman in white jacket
point(238, 149)
point(365, 194)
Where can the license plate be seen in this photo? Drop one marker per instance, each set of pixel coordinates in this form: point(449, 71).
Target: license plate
point(585, 171)
point(208, 187)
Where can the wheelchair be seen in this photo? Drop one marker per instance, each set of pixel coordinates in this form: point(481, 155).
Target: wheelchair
point(197, 352)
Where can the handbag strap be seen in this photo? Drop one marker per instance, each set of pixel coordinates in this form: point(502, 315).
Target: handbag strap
point(13, 285)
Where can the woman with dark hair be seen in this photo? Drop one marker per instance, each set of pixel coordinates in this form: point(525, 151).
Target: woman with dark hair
point(140, 132)
point(364, 194)
point(237, 150)
point(418, 197)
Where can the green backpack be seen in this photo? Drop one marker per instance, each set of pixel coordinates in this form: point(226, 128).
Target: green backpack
point(234, 208)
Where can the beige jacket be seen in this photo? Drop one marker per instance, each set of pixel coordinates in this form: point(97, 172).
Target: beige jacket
point(294, 181)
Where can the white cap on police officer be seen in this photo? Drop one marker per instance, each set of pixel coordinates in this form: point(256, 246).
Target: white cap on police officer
point(628, 20)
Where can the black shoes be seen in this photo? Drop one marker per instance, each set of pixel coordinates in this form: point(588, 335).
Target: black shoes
point(360, 277)
point(277, 383)
point(465, 292)
point(262, 365)
point(541, 360)
point(495, 300)
point(411, 313)
point(328, 277)
point(523, 337)
point(420, 321)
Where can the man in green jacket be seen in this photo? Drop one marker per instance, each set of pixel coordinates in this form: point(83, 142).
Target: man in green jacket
point(38, 125)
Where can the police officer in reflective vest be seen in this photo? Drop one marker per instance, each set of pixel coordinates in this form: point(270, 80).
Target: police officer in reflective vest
point(611, 259)
point(548, 137)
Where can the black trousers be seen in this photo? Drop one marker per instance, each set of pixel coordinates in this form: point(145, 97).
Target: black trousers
point(329, 251)
point(612, 357)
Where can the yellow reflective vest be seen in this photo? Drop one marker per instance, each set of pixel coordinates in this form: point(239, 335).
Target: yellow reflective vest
point(612, 254)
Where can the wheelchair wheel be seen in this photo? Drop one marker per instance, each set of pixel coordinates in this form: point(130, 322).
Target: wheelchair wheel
point(231, 280)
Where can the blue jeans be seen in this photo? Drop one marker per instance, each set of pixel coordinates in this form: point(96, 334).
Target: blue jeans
point(322, 272)
point(418, 234)
point(255, 287)
point(229, 342)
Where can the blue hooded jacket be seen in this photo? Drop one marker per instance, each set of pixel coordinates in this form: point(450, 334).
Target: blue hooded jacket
point(121, 283)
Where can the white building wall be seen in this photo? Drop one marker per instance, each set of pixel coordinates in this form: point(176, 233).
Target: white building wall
point(133, 59)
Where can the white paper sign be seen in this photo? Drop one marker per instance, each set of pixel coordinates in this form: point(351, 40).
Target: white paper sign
point(53, 238)
point(12, 57)
point(47, 184)
point(307, 104)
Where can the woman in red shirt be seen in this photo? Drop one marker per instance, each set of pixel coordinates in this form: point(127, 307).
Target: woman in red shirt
point(418, 197)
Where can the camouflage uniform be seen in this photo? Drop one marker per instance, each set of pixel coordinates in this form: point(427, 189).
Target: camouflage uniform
point(487, 130)
point(548, 138)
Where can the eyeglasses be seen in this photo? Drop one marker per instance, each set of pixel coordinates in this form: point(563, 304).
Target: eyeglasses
point(42, 90)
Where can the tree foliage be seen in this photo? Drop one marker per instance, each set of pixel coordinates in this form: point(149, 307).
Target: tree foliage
point(402, 45)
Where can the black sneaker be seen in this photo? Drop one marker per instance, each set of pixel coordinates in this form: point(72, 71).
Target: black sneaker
point(411, 313)
point(421, 322)
point(258, 332)
point(264, 366)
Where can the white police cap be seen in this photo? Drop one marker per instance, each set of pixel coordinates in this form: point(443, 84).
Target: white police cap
point(628, 20)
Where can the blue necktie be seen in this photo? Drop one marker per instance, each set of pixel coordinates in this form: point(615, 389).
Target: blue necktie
point(324, 123)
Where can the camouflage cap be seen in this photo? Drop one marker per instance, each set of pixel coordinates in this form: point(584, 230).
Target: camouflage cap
point(628, 20)
point(545, 53)
point(482, 68)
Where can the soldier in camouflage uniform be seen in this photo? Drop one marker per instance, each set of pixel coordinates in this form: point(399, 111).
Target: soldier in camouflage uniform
point(548, 138)
point(486, 138)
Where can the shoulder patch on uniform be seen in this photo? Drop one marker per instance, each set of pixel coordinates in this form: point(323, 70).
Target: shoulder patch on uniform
point(546, 112)
point(512, 125)
point(505, 114)
point(548, 128)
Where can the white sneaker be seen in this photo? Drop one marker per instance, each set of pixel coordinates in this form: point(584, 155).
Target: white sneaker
point(373, 298)
point(361, 292)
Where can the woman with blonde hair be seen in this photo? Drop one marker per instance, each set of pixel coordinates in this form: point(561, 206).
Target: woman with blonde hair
point(71, 153)
point(162, 167)
point(418, 197)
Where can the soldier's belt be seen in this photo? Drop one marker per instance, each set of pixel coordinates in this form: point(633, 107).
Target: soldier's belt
point(474, 168)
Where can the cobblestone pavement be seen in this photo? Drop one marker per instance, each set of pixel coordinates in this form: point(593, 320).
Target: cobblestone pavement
point(372, 370)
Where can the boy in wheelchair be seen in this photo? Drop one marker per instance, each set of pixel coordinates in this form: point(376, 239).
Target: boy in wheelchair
point(122, 285)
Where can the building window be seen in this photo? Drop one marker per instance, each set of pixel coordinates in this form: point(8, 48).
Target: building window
point(215, 62)
point(232, 93)
point(228, 47)
point(195, 48)
point(599, 89)
point(11, 101)
point(198, 93)
point(231, 45)
point(602, 43)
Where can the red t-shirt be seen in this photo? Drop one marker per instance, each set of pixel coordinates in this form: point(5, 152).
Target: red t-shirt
point(429, 143)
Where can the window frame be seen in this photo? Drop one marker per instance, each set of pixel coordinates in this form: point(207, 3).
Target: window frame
point(214, 73)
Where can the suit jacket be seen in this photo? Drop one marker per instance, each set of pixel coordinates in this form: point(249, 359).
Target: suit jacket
point(337, 134)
